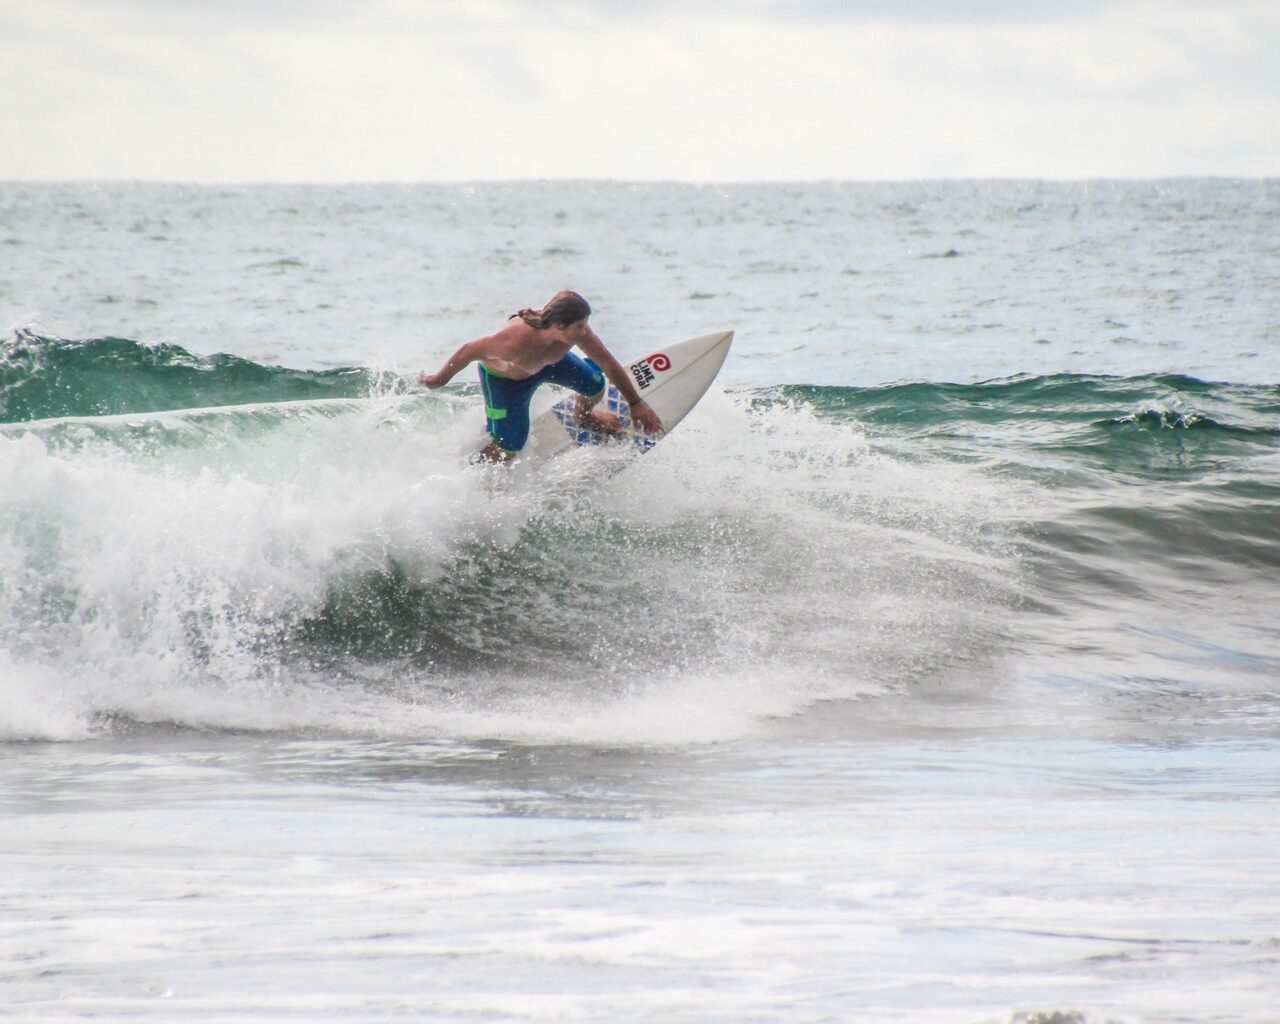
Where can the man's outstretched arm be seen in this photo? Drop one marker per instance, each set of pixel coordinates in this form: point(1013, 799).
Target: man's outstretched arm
point(466, 355)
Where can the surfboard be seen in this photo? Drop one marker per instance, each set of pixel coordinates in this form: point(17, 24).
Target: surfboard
point(672, 380)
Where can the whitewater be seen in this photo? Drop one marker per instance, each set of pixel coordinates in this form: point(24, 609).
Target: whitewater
point(930, 670)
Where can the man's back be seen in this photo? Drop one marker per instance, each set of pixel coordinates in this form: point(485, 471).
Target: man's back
point(518, 351)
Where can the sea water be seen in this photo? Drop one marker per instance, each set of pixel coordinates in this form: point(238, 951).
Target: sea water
point(929, 671)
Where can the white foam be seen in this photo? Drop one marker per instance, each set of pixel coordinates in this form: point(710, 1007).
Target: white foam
point(758, 560)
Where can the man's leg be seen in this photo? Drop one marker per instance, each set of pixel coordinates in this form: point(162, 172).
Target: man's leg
point(584, 377)
point(507, 415)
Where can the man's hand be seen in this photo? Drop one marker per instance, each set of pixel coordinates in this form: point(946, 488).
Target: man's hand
point(645, 418)
point(430, 380)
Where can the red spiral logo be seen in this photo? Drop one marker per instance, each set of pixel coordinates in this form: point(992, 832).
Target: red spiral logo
point(659, 361)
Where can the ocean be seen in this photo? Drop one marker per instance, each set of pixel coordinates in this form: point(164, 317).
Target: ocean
point(929, 671)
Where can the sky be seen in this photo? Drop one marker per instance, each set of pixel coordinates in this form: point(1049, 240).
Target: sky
point(684, 90)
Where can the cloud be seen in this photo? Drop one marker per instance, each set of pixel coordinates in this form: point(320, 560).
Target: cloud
point(946, 12)
point(774, 89)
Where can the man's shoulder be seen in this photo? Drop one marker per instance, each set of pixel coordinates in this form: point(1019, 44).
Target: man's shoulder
point(514, 329)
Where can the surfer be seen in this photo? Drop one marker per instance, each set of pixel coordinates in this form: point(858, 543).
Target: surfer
point(532, 348)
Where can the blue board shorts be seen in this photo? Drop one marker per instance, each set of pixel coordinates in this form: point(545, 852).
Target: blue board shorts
point(506, 401)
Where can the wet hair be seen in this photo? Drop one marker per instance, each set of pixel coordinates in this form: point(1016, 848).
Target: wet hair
point(565, 308)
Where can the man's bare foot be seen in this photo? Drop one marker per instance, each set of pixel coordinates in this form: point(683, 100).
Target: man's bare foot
point(608, 422)
point(492, 453)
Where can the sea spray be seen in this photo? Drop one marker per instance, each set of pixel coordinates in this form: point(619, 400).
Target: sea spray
point(341, 565)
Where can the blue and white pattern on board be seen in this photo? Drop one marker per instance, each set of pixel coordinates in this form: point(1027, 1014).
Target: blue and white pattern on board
point(564, 411)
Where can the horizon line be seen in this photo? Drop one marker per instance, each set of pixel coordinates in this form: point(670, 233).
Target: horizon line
point(695, 182)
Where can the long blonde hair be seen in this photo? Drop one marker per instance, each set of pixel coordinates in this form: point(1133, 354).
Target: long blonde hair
point(565, 308)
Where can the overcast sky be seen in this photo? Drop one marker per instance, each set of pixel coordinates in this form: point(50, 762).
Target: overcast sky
point(700, 90)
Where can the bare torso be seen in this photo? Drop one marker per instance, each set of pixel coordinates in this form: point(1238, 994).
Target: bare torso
point(518, 351)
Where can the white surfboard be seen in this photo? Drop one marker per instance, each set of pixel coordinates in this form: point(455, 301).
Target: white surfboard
point(671, 380)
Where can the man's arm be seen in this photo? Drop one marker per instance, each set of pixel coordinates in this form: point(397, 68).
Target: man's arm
point(467, 354)
point(641, 414)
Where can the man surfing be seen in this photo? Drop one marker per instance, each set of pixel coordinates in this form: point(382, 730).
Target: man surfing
point(533, 348)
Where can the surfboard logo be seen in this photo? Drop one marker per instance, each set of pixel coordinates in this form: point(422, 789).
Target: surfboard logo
point(644, 369)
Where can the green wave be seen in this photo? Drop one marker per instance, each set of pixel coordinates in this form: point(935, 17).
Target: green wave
point(43, 378)
point(1058, 399)
point(288, 525)
point(1144, 425)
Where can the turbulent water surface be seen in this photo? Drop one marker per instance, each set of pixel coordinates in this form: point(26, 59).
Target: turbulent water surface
point(929, 671)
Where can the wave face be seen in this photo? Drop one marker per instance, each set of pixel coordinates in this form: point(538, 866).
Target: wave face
point(213, 543)
point(41, 378)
